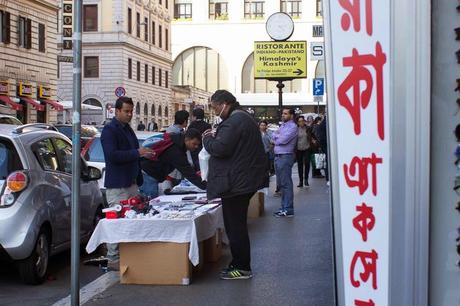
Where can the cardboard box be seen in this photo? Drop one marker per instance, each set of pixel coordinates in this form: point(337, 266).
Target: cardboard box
point(155, 263)
point(256, 205)
point(213, 247)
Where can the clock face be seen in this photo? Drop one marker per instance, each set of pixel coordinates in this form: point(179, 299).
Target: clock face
point(280, 26)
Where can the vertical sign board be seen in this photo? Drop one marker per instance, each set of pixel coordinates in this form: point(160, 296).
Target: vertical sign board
point(67, 15)
point(358, 35)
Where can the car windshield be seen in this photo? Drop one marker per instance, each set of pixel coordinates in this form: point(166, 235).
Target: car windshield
point(9, 160)
point(95, 152)
point(66, 130)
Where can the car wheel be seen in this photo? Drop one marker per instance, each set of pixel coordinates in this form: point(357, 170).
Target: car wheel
point(33, 269)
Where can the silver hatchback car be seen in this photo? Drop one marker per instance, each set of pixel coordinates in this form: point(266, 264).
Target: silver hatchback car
point(35, 202)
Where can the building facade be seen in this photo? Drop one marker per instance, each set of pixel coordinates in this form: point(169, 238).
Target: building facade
point(28, 70)
point(188, 98)
point(126, 50)
point(213, 45)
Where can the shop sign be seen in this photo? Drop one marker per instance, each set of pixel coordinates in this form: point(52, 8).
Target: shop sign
point(318, 31)
point(44, 92)
point(4, 88)
point(316, 51)
point(360, 139)
point(280, 59)
point(67, 22)
point(25, 90)
point(65, 59)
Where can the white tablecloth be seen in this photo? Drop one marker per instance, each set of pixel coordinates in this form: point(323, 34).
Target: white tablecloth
point(150, 230)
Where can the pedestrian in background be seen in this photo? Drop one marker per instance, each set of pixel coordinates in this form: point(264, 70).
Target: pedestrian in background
point(321, 134)
point(122, 163)
point(268, 143)
point(152, 126)
point(237, 169)
point(285, 139)
point(198, 121)
point(199, 124)
point(141, 126)
point(180, 122)
point(304, 151)
point(316, 173)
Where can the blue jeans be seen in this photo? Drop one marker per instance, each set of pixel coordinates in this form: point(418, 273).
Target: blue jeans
point(149, 187)
point(283, 168)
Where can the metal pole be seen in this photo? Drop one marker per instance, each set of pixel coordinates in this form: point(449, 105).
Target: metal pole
point(280, 87)
point(76, 130)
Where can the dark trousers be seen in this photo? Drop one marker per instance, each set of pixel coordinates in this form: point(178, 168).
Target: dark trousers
point(303, 164)
point(235, 213)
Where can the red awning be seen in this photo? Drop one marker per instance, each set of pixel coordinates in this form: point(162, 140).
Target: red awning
point(57, 106)
point(34, 103)
point(8, 101)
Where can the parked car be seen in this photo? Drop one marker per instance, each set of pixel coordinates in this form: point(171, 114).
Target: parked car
point(6, 119)
point(94, 155)
point(87, 132)
point(35, 190)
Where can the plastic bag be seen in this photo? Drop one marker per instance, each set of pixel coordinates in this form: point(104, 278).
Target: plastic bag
point(203, 158)
point(320, 160)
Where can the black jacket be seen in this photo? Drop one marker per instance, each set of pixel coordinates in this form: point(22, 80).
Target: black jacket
point(200, 125)
point(175, 157)
point(238, 163)
point(120, 145)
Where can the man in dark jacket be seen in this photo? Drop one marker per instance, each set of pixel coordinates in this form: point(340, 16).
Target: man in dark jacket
point(122, 154)
point(237, 169)
point(198, 122)
point(175, 157)
point(202, 126)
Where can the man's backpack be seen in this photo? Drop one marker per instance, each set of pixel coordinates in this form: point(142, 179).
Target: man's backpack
point(158, 143)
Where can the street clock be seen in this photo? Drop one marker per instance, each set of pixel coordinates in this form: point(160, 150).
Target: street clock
point(280, 26)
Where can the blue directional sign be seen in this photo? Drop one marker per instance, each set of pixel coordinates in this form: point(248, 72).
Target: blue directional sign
point(318, 87)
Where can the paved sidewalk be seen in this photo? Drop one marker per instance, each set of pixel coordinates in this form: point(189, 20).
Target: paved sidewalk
point(291, 261)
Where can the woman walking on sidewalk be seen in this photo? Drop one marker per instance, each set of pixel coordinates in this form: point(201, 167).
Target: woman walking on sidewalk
point(306, 143)
point(237, 169)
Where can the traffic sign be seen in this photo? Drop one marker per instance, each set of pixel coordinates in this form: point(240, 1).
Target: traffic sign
point(280, 59)
point(317, 51)
point(318, 87)
point(120, 92)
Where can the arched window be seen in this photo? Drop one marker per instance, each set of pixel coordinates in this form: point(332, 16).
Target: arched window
point(159, 111)
point(251, 85)
point(152, 112)
point(146, 109)
point(166, 111)
point(200, 67)
point(138, 108)
point(92, 112)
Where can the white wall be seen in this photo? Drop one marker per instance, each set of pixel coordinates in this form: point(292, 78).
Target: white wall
point(234, 40)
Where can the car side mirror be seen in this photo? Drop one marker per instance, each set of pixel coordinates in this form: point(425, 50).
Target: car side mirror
point(91, 174)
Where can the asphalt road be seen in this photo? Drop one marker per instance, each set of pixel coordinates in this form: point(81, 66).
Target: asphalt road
point(14, 292)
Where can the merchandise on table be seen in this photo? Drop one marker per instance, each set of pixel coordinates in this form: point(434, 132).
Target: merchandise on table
point(174, 208)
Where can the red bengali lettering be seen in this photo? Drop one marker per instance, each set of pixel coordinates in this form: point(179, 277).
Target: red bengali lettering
point(369, 263)
point(353, 14)
point(361, 99)
point(359, 167)
point(364, 221)
point(364, 303)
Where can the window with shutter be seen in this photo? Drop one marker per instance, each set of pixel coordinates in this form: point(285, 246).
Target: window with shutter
point(41, 37)
point(28, 34)
point(7, 20)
